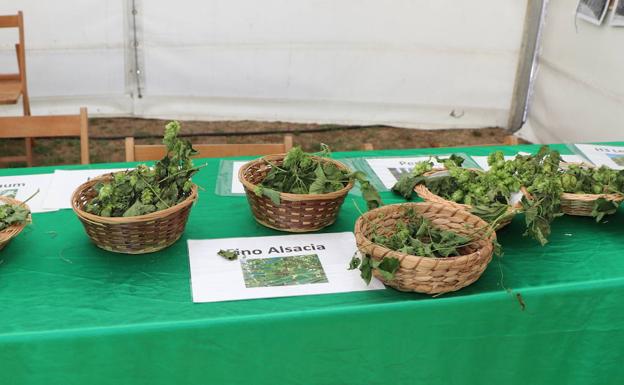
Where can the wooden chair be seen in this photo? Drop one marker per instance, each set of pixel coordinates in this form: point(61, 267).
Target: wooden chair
point(12, 86)
point(144, 152)
point(46, 127)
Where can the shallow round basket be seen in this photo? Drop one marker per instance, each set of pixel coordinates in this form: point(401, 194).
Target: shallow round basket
point(11, 232)
point(583, 204)
point(131, 235)
point(424, 274)
point(297, 213)
point(428, 196)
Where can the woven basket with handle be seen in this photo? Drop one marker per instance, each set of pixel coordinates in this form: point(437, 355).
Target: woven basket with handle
point(10, 232)
point(297, 213)
point(131, 235)
point(428, 196)
point(424, 274)
point(583, 204)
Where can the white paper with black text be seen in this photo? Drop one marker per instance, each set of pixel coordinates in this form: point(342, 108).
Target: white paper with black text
point(22, 187)
point(483, 164)
point(610, 156)
point(389, 170)
point(64, 182)
point(274, 266)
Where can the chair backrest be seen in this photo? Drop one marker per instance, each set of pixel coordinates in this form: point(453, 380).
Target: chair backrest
point(145, 152)
point(51, 126)
point(16, 21)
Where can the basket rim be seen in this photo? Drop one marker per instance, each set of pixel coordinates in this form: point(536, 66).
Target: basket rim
point(290, 196)
point(426, 194)
point(13, 230)
point(401, 256)
point(124, 220)
point(592, 197)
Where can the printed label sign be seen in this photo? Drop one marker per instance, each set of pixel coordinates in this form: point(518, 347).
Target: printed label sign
point(275, 266)
point(389, 170)
point(610, 156)
point(63, 184)
point(22, 187)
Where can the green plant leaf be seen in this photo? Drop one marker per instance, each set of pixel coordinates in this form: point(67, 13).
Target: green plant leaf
point(603, 207)
point(228, 254)
point(272, 194)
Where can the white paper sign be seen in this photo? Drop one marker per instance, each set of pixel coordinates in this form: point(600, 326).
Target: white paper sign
point(276, 266)
point(237, 186)
point(64, 182)
point(389, 170)
point(610, 156)
point(22, 187)
point(482, 160)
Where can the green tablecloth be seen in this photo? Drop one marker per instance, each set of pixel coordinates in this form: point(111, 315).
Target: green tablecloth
point(73, 314)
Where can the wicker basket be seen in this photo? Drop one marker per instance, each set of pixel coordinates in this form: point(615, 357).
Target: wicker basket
point(424, 274)
point(132, 235)
point(428, 196)
point(10, 232)
point(297, 213)
point(583, 204)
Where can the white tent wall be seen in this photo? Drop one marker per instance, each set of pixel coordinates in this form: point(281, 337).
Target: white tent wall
point(75, 55)
point(411, 63)
point(578, 93)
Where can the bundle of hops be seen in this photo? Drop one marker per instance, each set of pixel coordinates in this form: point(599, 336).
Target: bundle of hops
point(144, 189)
point(488, 193)
point(580, 179)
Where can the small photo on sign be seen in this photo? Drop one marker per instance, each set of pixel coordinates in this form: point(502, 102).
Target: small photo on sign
point(617, 159)
point(283, 271)
point(9, 193)
point(593, 11)
point(617, 16)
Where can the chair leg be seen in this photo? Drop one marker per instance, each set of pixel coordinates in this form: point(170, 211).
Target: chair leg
point(21, 63)
point(28, 142)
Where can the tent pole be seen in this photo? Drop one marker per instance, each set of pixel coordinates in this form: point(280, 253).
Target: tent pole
point(526, 64)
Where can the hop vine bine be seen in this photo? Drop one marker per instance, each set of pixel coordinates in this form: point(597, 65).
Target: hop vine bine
point(489, 193)
point(541, 175)
point(144, 189)
point(305, 173)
